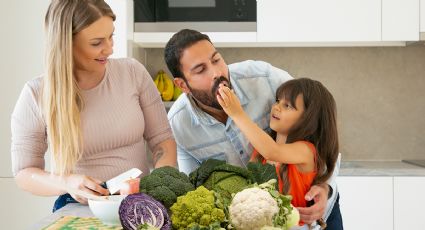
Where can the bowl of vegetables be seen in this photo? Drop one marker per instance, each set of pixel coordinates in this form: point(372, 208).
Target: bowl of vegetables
point(107, 210)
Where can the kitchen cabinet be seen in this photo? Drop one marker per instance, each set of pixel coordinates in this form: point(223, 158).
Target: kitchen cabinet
point(220, 39)
point(400, 20)
point(409, 202)
point(123, 33)
point(318, 21)
point(366, 202)
point(422, 15)
point(20, 209)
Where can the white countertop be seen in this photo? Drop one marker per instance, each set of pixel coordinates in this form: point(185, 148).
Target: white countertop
point(379, 168)
point(348, 168)
point(72, 209)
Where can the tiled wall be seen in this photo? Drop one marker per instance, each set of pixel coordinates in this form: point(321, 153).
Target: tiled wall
point(380, 92)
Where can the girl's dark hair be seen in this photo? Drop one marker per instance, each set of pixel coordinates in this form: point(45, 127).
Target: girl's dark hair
point(317, 124)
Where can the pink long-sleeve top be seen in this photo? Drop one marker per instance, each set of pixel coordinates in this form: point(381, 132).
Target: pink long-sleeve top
point(119, 113)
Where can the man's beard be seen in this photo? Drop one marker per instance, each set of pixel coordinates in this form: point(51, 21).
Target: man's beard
point(209, 98)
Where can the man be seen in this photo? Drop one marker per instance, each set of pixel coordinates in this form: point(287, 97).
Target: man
point(203, 130)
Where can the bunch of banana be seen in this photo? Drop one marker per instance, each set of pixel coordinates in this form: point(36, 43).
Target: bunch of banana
point(177, 92)
point(166, 87)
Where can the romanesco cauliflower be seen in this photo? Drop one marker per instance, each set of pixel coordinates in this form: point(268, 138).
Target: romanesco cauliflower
point(196, 208)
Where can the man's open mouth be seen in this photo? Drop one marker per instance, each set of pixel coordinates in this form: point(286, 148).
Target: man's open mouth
point(220, 81)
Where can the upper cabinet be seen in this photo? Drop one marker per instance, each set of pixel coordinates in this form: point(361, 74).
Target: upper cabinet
point(220, 39)
point(422, 15)
point(123, 11)
point(318, 21)
point(400, 20)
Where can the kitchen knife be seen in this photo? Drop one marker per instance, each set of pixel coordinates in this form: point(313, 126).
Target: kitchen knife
point(116, 183)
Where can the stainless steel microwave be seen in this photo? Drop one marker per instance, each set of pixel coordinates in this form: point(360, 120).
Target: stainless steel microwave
point(202, 15)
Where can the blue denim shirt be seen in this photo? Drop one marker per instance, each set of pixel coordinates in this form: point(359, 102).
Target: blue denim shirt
point(199, 136)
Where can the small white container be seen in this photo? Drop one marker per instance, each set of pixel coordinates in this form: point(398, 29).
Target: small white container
point(107, 211)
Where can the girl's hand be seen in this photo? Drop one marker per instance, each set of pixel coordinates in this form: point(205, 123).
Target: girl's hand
point(229, 101)
point(84, 183)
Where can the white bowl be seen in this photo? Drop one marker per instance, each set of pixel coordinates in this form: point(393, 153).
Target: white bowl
point(107, 211)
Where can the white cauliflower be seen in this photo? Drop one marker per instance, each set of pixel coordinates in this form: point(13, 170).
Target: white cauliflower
point(252, 208)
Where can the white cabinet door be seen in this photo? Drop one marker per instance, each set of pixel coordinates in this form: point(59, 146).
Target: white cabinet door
point(123, 11)
point(400, 20)
point(409, 203)
point(422, 15)
point(19, 209)
point(220, 39)
point(366, 202)
point(318, 21)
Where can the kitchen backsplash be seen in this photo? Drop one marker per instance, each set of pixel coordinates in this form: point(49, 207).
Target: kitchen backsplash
point(380, 92)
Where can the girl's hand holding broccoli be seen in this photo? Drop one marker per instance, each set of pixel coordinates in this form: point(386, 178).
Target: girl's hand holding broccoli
point(229, 101)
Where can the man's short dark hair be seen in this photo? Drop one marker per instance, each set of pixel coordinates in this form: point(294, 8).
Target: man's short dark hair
point(175, 46)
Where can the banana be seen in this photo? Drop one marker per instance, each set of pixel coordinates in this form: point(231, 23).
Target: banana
point(156, 80)
point(177, 92)
point(168, 90)
point(159, 82)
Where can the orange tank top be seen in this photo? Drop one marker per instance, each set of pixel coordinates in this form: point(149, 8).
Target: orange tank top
point(299, 182)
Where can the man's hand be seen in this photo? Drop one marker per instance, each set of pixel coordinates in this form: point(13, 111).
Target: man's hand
point(318, 193)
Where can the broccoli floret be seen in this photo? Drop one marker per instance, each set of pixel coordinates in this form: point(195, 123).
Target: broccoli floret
point(165, 184)
point(170, 171)
point(179, 187)
point(149, 182)
point(163, 194)
point(196, 208)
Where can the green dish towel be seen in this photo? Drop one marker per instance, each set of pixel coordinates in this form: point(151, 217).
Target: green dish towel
point(80, 223)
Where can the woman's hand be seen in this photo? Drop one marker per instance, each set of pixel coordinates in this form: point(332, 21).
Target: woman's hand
point(84, 183)
point(229, 101)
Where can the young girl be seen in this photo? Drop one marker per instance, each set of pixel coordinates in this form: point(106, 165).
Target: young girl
point(303, 123)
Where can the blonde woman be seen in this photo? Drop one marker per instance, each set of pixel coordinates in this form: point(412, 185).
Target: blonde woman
point(93, 113)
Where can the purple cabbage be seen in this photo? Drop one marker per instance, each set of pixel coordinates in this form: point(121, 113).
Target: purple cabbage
point(138, 209)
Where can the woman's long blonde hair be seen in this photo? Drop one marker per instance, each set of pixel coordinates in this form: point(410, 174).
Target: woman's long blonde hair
point(61, 98)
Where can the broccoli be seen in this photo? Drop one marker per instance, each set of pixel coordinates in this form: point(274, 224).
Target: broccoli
point(165, 184)
point(196, 208)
